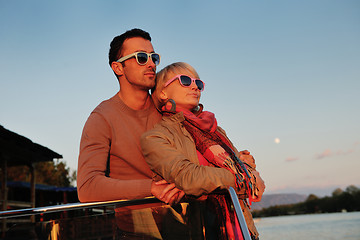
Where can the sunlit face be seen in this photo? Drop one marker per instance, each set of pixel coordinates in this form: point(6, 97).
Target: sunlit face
point(184, 97)
point(138, 75)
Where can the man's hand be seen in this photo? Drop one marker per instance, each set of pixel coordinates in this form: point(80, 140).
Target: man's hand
point(247, 158)
point(260, 184)
point(166, 192)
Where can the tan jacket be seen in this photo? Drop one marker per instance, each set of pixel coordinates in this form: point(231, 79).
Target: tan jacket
point(170, 151)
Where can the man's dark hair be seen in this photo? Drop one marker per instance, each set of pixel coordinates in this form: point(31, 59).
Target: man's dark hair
point(117, 42)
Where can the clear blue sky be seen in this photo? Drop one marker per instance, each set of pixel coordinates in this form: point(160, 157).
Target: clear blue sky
point(285, 70)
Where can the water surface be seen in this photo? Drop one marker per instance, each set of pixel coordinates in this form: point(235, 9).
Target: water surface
point(325, 226)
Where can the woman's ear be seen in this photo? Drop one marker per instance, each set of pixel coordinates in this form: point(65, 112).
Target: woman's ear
point(163, 96)
point(117, 68)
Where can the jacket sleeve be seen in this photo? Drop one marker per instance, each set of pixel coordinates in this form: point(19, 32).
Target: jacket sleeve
point(166, 158)
point(92, 184)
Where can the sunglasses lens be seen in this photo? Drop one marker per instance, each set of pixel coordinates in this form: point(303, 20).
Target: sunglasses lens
point(199, 84)
point(142, 58)
point(155, 58)
point(185, 80)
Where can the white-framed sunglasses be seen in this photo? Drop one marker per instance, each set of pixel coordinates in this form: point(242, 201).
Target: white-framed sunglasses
point(142, 58)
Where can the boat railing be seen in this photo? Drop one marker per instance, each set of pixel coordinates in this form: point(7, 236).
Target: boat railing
point(120, 220)
point(74, 206)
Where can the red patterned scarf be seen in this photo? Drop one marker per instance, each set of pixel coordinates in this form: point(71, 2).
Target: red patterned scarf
point(218, 151)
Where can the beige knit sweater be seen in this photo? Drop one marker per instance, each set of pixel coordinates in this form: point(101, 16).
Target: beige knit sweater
point(111, 135)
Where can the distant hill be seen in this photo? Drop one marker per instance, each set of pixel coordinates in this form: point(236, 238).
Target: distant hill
point(278, 199)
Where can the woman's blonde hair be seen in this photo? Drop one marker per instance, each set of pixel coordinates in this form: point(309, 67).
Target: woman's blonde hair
point(163, 76)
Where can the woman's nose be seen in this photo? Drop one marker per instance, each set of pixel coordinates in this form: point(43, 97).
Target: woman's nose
point(194, 86)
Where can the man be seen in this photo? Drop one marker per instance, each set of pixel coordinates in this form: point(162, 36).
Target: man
point(111, 165)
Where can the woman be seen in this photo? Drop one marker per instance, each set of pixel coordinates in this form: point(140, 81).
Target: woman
point(189, 149)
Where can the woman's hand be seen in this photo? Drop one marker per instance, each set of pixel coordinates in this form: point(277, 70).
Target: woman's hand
point(247, 158)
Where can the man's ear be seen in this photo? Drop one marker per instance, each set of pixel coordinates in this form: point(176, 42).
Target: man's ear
point(117, 68)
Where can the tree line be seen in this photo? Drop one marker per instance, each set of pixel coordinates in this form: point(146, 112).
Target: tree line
point(54, 173)
point(340, 200)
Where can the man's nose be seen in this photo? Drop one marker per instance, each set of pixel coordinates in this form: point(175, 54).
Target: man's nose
point(151, 63)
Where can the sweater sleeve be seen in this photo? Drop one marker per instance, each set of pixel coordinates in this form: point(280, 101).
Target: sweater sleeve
point(166, 159)
point(92, 184)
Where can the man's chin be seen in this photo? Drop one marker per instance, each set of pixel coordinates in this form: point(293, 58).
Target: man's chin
point(148, 86)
